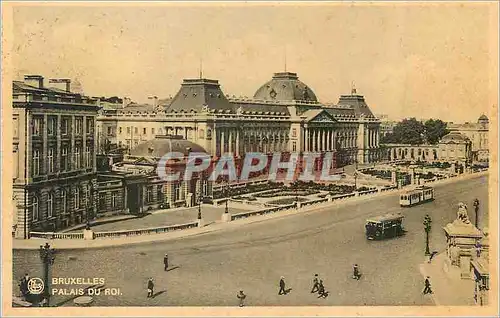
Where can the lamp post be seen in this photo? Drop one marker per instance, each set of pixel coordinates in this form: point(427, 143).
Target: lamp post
point(355, 180)
point(199, 204)
point(476, 209)
point(47, 257)
point(90, 206)
point(427, 228)
point(226, 189)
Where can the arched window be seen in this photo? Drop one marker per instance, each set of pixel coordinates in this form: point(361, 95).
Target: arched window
point(50, 205)
point(36, 210)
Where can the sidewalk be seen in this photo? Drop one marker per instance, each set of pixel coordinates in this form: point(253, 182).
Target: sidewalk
point(449, 289)
point(217, 225)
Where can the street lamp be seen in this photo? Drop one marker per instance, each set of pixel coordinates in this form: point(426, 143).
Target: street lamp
point(427, 228)
point(47, 256)
point(476, 209)
point(90, 206)
point(355, 180)
point(199, 204)
point(226, 189)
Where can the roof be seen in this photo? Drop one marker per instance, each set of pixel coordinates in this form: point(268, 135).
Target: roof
point(417, 189)
point(20, 86)
point(386, 217)
point(136, 108)
point(285, 86)
point(261, 108)
point(454, 137)
point(162, 145)
point(357, 103)
point(199, 95)
point(483, 117)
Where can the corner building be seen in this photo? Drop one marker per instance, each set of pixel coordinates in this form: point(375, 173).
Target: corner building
point(54, 160)
point(284, 115)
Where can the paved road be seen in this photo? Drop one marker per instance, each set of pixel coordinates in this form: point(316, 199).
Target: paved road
point(213, 267)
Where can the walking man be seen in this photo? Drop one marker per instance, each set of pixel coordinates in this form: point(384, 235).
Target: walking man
point(315, 283)
point(23, 285)
point(427, 289)
point(151, 287)
point(165, 261)
point(321, 290)
point(355, 272)
point(282, 286)
point(241, 296)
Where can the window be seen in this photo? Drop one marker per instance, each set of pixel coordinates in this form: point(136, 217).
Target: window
point(143, 131)
point(152, 131)
point(51, 125)
point(36, 162)
point(88, 156)
point(15, 126)
point(36, 210)
point(110, 131)
point(177, 192)
point(114, 196)
point(50, 160)
point(128, 130)
point(149, 194)
point(50, 205)
point(159, 192)
point(77, 198)
point(120, 130)
point(64, 158)
point(79, 125)
point(90, 126)
point(294, 146)
point(77, 157)
point(64, 201)
point(160, 131)
point(294, 132)
point(102, 201)
point(136, 130)
point(205, 187)
point(36, 127)
point(65, 125)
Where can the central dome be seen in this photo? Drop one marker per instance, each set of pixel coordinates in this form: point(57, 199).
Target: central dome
point(285, 86)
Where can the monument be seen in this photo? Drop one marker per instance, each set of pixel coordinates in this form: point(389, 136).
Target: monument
point(461, 237)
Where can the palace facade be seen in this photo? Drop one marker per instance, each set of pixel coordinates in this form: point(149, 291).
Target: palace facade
point(478, 135)
point(54, 165)
point(284, 115)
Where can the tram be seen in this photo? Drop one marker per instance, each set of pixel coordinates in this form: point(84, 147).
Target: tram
point(416, 196)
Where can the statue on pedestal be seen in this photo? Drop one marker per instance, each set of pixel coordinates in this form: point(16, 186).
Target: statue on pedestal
point(462, 213)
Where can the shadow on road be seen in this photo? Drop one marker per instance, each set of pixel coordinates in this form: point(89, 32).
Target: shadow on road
point(158, 293)
point(172, 268)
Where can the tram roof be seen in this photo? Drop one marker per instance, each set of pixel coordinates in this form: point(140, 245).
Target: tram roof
point(418, 189)
point(386, 217)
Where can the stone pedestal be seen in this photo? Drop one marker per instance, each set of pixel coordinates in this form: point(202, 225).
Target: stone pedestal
point(329, 198)
point(88, 234)
point(453, 168)
point(226, 217)
point(189, 200)
point(393, 177)
point(299, 205)
point(461, 240)
point(201, 222)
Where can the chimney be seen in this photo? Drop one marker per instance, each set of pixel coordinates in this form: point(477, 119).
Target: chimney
point(61, 83)
point(126, 102)
point(155, 100)
point(34, 80)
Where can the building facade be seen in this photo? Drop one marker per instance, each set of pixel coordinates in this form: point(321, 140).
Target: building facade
point(478, 135)
point(284, 115)
point(54, 176)
point(454, 147)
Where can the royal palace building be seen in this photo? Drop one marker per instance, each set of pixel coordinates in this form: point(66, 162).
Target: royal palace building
point(284, 115)
point(54, 155)
point(478, 135)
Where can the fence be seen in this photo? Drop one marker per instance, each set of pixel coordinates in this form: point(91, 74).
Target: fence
point(262, 212)
point(147, 231)
point(54, 235)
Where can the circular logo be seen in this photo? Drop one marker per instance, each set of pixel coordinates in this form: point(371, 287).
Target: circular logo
point(35, 286)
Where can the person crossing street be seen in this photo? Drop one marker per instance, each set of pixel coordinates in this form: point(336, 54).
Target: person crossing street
point(241, 296)
point(315, 287)
point(282, 290)
point(165, 261)
point(355, 272)
point(427, 289)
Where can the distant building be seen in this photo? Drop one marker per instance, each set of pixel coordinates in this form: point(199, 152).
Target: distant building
point(54, 171)
point(478, 134)
point(386, 125)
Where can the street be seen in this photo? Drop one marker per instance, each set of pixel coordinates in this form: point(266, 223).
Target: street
point(209, 269)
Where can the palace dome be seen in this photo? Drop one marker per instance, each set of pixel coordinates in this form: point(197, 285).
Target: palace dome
point(161, 145)
point(455, 137)
point(285, 86)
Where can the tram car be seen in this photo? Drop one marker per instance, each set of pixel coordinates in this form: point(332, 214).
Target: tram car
point(384, 226)
point(416, 196)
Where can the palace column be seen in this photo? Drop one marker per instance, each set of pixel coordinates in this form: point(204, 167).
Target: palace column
point(306, 140)
point(230, 140)
point(329, 143)
point(222, 141)
point(323, 139)
point(237, 142)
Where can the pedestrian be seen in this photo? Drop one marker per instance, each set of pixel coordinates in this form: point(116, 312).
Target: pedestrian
point(241, 296)
point(478, 249)
point(151, 287)
point(427, 289)
point(315, 283)
point(23, 285)
point(355, 272)
point(282, 286)
point(321, 290)
point(165, 261)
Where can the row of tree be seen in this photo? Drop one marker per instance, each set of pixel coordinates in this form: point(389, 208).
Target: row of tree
point(412, 131)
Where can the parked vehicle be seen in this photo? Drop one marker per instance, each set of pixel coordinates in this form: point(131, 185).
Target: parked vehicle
point(416, 196)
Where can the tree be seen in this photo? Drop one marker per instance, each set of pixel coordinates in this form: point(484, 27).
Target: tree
point(435, 129)
point(408, 131)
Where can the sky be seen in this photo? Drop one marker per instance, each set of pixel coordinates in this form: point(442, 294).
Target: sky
point(408, 60)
